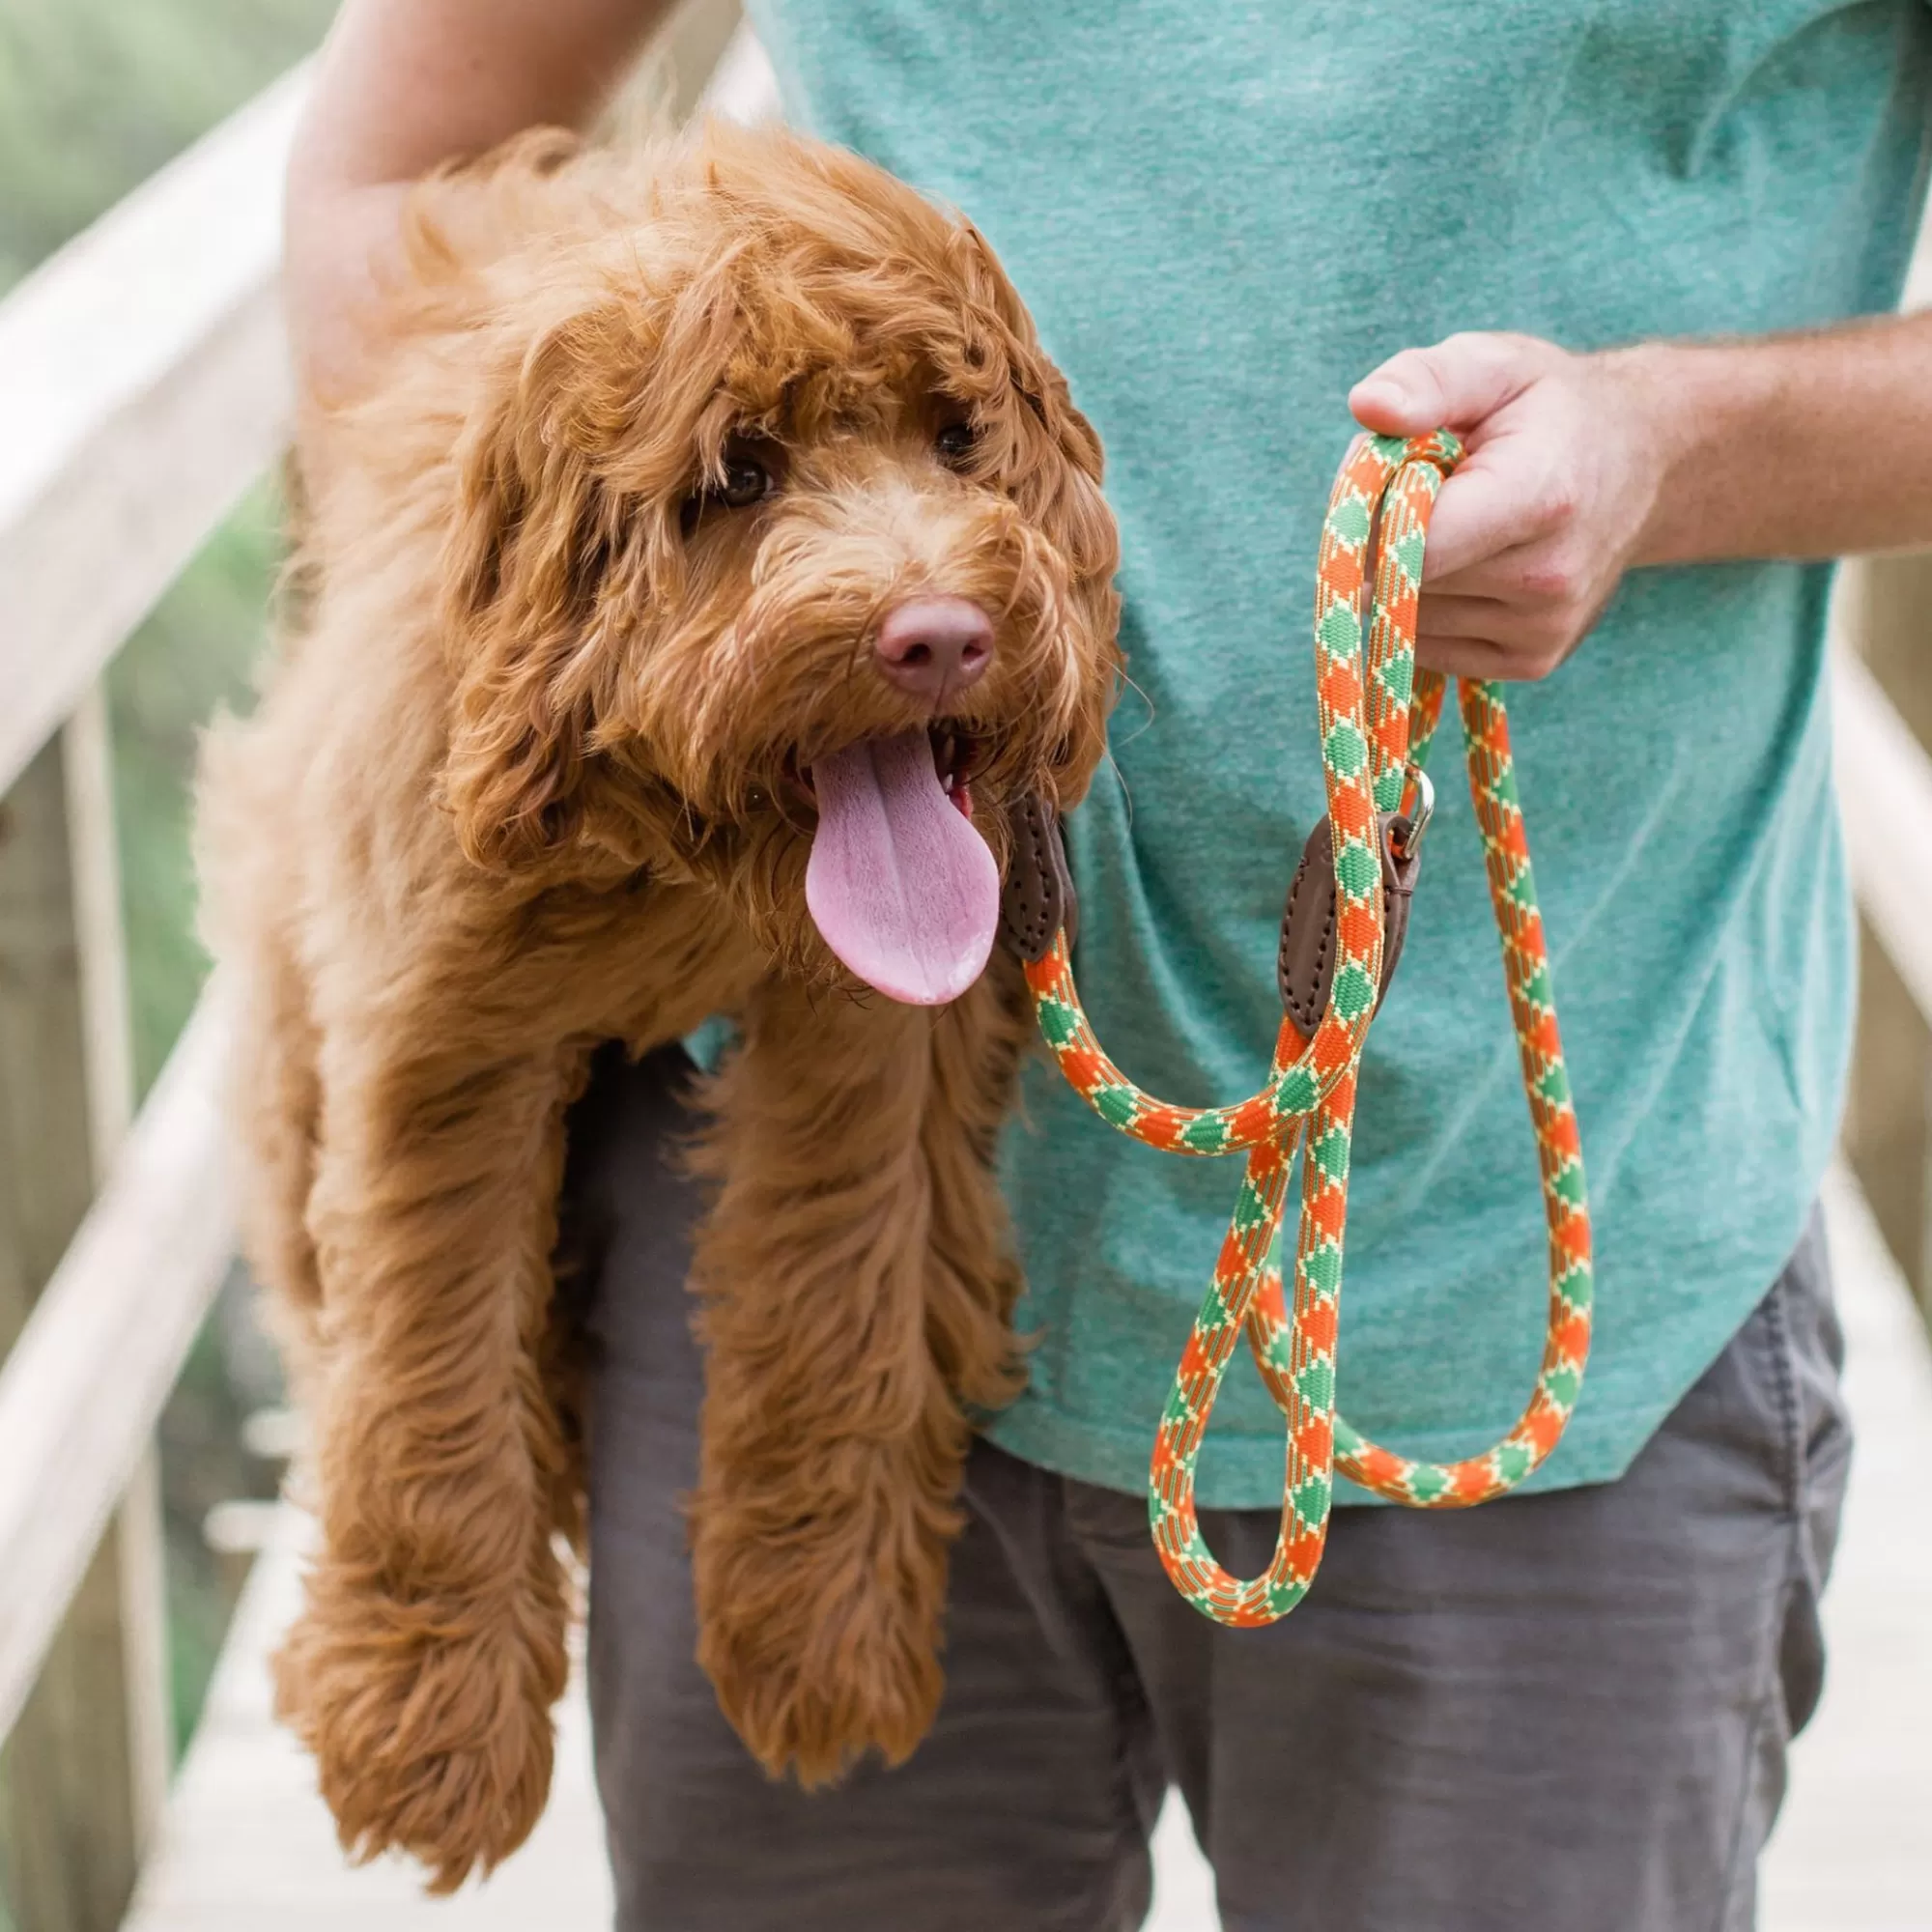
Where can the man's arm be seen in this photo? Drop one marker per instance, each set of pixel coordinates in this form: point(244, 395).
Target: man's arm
point(404, 85)
point(1583, 467)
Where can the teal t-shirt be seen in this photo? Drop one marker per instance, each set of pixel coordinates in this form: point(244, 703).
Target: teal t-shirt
point(1222, 216)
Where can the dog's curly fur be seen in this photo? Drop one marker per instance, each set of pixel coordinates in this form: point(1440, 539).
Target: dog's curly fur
point(526, 779)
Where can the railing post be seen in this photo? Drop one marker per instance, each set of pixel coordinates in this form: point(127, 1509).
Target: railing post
point(108, 1032)
point(1886, 615)
point(85, 1770)
point(1886, 1135)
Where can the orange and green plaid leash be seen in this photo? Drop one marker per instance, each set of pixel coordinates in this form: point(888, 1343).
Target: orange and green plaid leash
point(1378, 715)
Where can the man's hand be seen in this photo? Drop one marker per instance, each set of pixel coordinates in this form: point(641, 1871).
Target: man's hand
point(1534, 532)
point(1583, 467)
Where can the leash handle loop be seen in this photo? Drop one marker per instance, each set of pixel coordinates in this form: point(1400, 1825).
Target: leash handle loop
point(1378, 716)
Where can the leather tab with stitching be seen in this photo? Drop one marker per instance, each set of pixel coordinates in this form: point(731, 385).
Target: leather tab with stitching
point(1037, 897)
point(1305, 964)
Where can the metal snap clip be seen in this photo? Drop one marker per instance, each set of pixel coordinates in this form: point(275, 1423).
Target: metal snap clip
point(1421, 811)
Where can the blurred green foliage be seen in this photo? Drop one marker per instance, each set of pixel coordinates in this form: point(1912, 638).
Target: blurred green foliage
point(95, 94)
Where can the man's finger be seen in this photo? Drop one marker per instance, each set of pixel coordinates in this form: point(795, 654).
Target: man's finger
point(1486, 508)
point(1466, 618)
point(1519, 574)
point(1461, 656)
point(1459, 382)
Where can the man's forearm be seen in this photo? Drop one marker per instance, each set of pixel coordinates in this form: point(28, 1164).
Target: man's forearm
point(402, 86)
point(405, 84)
point(1803, 446)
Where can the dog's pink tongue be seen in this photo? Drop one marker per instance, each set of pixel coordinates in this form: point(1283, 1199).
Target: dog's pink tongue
point(902, 888)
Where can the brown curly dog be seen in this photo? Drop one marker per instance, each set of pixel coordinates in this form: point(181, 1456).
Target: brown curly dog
point(716, 561)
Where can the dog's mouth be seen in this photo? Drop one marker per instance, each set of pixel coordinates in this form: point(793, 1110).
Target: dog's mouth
point(959, 755)
point(901, 885)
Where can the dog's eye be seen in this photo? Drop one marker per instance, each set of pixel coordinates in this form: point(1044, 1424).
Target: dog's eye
point(746, 482)
point(954, 443)
point(753, 468)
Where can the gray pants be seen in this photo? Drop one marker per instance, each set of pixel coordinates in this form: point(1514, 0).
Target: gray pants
point(1565, 1712)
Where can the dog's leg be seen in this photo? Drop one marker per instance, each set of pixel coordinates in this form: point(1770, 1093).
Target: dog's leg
point(432, 1647)
point(975, 1277)
point(855, 1279)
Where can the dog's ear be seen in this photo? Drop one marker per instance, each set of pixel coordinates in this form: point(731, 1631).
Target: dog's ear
point(1065, 496)
point(539, 528)
point(1053, 463)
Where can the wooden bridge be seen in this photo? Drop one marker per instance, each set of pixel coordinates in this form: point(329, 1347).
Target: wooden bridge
point(142, 389)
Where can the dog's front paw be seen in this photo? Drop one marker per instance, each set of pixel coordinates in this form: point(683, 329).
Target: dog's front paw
point(432, 1732)
point(815, 1666)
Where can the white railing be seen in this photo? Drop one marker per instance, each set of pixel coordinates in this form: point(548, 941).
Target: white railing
point(85, 1381)
point(143, 387)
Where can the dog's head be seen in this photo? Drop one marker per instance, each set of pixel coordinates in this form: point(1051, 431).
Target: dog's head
point(779, 556)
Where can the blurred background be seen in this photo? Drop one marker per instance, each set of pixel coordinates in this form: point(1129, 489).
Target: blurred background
point(95, 95)
point(140, 408)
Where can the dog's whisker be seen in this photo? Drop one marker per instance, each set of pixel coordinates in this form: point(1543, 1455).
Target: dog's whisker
point(1147, 708)
point(1112, 764)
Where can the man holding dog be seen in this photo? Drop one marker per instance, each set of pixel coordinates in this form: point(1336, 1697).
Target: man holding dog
point(1569, 1708)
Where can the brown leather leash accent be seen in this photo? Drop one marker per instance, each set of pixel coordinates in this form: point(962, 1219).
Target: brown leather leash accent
point(1039, 897)
point(1305, 959)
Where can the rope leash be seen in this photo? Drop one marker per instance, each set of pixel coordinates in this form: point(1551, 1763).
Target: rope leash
point(1377, 716)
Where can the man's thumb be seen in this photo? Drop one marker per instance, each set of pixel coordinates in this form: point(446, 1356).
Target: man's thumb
point(1457, 382)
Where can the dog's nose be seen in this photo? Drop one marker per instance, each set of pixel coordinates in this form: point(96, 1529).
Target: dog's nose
point(935, 648)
